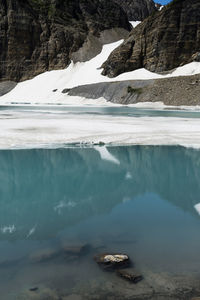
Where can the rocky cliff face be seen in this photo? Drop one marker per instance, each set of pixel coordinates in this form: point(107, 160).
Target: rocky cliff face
point(137, 10)
point(167, 39)
point(41, 35)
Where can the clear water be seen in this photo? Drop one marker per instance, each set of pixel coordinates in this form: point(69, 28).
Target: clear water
point(138, 200)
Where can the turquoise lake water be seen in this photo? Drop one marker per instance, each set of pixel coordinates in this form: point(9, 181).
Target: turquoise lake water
point(137, 200)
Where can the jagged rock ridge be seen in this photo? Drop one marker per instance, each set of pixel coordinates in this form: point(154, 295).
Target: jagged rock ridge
point(137, 10)
point(41, 35)
point(167, 39)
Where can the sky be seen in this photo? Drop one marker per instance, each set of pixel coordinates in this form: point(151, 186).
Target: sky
point(163, 1)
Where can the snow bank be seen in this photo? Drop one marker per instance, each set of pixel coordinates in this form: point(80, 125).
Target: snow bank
point(39, 90)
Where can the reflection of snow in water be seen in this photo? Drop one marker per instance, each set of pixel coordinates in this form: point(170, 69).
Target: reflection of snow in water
point(8, 229)
point(32, 231)
point(61, 205)
point(126, 199)
point(106, 155)
point(197, 207)
point(128, 175)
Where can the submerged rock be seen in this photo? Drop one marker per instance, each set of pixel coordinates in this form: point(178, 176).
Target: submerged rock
point(44, 255)
point(73, 252)
point(112, 261)
point(41, 294)
point(129, 275)
point(76, 250)
point(73, 297)
point(34, 289)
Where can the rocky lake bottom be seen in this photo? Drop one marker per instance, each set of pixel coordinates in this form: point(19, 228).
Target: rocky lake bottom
point(61, 207)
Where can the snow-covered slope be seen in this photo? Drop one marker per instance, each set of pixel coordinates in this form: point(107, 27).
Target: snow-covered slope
point(39, 90)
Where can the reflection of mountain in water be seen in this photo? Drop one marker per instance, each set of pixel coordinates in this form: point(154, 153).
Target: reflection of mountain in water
point(52, 189)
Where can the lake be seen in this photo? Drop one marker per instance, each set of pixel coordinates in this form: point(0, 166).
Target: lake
point(60, 207)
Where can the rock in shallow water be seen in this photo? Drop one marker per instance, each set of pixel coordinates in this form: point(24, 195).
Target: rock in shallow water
point(112, 261)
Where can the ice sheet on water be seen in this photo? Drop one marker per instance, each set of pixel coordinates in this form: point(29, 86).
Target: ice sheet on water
point(34, 129)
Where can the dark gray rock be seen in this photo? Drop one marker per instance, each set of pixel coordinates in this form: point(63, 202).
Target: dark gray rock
point(124, 92)
point(65, 91)
point(183, 90)
point(6, 87)
point(137, 10)
point(196, 57)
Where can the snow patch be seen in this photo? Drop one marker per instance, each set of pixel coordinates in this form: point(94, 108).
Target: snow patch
point(134, 23)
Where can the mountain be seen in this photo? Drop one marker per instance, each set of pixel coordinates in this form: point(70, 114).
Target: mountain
point(42, 35)
point(137, 10)
point(167, 39)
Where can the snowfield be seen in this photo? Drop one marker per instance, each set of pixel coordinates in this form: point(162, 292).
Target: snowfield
point(39, 90)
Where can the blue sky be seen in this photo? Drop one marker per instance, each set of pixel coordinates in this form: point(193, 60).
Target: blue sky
point(162, 1)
